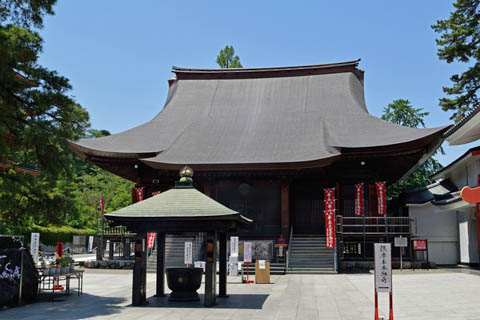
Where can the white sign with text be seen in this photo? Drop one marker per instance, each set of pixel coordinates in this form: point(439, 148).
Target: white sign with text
point(401, 242)
point(234, 246)
point(188, 253)
point(247, 252)
point(34, 245)
point(383, 267)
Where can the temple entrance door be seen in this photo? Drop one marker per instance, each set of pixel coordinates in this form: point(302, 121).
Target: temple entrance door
point(308, 209)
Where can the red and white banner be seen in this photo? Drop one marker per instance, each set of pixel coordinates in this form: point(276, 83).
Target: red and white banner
point(102, 205)
point(156, 193)
point(139, 192)
point(329, 198)
point(330, 229)
point(359, 200)
point(381, 197)
point(151, 239)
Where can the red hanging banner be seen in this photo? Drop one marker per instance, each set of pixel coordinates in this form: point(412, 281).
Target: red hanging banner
point(139, 192)
point(329, 198)
point(330, 229)
point(151, 239)
point(359, 200)
point(381, 195)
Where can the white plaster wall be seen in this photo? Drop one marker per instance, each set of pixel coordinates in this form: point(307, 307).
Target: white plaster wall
point(440, 228)
point(468, 239)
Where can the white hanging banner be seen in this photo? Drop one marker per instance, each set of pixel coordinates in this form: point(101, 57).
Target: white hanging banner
point(383, 267)
point(90, 244)
point(232, 266)
point(34, 245)
point(188, 253)
point(247, 252)
point(234, 246)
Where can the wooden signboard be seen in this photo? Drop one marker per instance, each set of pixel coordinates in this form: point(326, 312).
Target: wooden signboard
point(262, 271)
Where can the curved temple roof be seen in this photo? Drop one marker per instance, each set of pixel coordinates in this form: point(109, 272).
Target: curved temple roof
point(258, 117)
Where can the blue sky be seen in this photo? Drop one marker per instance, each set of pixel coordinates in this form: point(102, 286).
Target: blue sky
point(118, 54)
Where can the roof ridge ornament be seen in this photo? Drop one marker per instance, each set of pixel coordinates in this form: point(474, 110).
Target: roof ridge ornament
point(186, 174)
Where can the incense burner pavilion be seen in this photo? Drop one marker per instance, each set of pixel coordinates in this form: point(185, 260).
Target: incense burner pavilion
point(266, 142)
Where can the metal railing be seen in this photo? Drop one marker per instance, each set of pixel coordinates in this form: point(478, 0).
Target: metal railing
point(374, 225)
point(289, 246)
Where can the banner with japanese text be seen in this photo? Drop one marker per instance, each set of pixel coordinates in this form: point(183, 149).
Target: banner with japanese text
point(139, 192)
point(329, 198)
point(381, 197)
point(151, 239)
point(359, 200)
point(330, 229)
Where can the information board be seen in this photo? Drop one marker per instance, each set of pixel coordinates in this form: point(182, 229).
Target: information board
point(401, 242)
point(188, 253)
point(420, 245)
point(383, 267)
point(247, 252)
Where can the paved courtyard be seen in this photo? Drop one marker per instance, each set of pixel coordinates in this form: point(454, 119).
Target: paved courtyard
point(438, 294)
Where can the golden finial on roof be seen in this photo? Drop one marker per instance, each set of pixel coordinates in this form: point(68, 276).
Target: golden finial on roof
point(186, 172)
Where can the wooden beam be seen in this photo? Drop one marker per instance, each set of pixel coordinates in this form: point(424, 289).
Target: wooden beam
point(285, 205)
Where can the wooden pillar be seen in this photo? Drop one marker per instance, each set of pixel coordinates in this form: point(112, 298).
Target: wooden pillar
point(126, 247)
point(110, 249)
point(139, 287)
point(160, 264)
point(211, 270)
point(223, 265)
point(285, 203)
point(207, 189)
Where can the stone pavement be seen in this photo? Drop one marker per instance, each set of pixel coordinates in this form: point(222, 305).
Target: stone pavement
point(444, 294)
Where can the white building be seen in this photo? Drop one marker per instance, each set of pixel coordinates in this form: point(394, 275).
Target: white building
point(450, 224)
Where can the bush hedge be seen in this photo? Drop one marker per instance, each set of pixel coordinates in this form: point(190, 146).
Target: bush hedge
point(48, 235)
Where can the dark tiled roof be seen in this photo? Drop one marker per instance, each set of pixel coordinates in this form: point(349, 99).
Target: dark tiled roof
point(459, 124)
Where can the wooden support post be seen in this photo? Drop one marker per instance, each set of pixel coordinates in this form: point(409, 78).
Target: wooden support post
point(223, 265)
point(207, 189)
point(211, 270)
point(285, 202)
point(139, 287)
point(110, 249)
point(160, 264)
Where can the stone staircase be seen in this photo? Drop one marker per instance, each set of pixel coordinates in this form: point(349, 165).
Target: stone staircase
point(309, 255)
point(174, 252)
point(275, 268)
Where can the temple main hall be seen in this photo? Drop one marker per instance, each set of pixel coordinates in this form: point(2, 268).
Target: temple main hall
point(267, 142)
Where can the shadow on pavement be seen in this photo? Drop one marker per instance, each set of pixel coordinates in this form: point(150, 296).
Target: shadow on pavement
point(234, 301)
point(66, 307)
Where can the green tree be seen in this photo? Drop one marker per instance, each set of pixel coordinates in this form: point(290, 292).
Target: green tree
point(36, 119)
point(227, 58)
point(460, 41)
point(403, 113)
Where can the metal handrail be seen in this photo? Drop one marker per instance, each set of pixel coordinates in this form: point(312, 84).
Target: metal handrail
point(289, 245)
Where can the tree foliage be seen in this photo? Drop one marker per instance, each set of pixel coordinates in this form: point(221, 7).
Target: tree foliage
point(460, 41)
point(227, 58)
point(37, 117)
point(403, 113)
